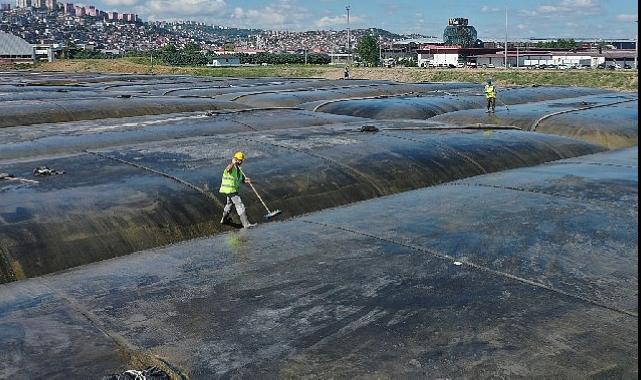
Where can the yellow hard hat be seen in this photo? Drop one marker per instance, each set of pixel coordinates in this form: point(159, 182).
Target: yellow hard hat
point(239, 156)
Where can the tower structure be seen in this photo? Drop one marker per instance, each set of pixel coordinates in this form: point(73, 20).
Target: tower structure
point(458, 32)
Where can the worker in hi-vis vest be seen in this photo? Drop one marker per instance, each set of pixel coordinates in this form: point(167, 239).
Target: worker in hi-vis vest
point(233, 176)
point(490, 95)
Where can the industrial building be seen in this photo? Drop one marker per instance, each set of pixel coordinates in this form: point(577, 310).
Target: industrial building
point(47, 52)
point(614, 43)
point(224, 61)
point(340, 59)
point(435, 51)
point(537, 58)
point(14, 49)
point(448, 56)
point(460, 47)
point(453, 56)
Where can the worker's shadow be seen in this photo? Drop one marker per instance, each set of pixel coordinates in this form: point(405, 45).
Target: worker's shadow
point(231, 223)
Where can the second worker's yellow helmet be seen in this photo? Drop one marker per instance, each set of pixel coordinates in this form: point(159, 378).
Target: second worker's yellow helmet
point(239, 156)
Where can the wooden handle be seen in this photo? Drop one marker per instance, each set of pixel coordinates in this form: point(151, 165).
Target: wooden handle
point(255, 192)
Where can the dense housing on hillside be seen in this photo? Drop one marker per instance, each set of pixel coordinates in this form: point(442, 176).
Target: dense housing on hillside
point(58, 30)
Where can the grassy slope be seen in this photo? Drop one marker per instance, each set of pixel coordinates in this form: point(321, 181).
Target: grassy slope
point(620, 80)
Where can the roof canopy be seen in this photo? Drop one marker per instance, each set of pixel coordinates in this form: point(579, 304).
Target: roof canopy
point(14, 45)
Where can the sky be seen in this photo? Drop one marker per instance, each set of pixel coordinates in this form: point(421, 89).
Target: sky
point(526, 18)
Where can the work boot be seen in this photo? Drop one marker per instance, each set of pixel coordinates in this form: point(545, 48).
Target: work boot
point(225, 219)
point(245, 221)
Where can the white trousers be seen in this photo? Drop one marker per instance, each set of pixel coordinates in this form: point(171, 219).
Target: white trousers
point(234, 200)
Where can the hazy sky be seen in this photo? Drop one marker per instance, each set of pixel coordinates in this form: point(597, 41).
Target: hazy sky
point(526, 18)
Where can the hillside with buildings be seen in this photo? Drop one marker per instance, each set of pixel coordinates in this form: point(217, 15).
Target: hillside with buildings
point(64, 30)
point(65, 25)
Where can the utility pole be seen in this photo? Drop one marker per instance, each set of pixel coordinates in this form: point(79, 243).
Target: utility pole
point(380, 49)
point(349, 38)
point(151, 54)
point(636, 47)
point(505, 38)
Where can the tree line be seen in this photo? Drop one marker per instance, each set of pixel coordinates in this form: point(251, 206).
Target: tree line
point(191, 55)
point(558, 44)
point(367, 51)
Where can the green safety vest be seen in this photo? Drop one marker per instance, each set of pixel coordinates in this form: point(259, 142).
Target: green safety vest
point(489, 91)
point(231, 181)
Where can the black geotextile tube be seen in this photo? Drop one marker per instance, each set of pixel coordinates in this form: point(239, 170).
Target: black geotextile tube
point(610, 120)
point(122, 200)
point(77, 136)
point(424, 107)
point(296, 96)
point(253, 86)
point(51, 111)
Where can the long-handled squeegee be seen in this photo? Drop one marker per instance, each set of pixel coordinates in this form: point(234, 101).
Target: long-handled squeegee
point(270, 214)
point(506, 107)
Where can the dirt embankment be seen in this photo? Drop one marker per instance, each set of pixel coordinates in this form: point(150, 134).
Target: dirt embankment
point(619, 80)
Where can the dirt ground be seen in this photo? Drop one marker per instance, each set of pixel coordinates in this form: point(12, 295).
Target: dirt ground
point(619, 80)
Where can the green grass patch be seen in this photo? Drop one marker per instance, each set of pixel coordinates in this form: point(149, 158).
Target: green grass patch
point(621, 80)
point(304, 71)
point(261, 71)
point(611, 79)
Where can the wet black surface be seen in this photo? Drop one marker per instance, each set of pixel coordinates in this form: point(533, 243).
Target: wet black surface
point(20, 89)
point(297, 170)
point(17, 98)
point(136, 182)
point(209, 87)
point(29, 112)
point(101, 208)
point(96, 208)
point(396, 256)
point(342, 91)
point(140, 172)
point(426, 106)
point(236, 89)
point(615, 126)
point(73, 137)
point(44, 79)
point(523, 273)
point(613, 122)
point(587, 214)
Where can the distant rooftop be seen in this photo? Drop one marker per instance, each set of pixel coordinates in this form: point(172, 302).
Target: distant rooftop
point(421, 41)
point(11, 45)
point(613, 54)
point(541, 39)
point(578, 39)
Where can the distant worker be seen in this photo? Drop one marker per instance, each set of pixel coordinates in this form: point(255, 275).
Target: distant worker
point(346, 73)
point(490, 95)
point(232, 178)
